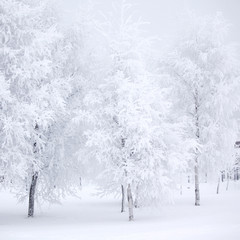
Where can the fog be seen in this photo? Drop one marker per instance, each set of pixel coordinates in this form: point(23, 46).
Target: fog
point(163, 15)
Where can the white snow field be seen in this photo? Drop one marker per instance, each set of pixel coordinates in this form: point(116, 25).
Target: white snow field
point(91, 218)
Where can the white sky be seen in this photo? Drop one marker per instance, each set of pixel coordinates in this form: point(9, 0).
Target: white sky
point(162, 14)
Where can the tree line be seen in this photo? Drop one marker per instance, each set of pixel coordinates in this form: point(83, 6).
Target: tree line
point(96, 100)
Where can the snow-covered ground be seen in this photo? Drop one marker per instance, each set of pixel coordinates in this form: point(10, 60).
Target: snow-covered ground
point(218, 218)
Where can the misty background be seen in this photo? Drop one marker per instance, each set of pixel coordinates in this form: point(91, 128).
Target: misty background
point(163, 15)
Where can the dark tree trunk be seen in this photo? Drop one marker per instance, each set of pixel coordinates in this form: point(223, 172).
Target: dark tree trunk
point(32, 195)
point(223, 176)
point(123, 199)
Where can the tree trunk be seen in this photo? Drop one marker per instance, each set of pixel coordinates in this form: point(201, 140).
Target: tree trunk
point(218, 186)
point(136, 198)
point(130, 202)
point(80, 182)
point(196, 167)
point(123, 199)
point(188, 182)
point(32, 195)
point(227, 181)
point(223, 176)
point(197, 192)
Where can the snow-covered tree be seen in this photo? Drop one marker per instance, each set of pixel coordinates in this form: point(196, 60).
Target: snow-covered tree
point(31, 126)
point(130, 133)
point(204, 76)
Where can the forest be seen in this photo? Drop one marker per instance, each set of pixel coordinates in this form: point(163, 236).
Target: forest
point(102, 102)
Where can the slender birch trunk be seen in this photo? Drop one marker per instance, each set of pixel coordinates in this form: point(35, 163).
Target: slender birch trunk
point(197, 192)
point(136, 198)
point(222, 176)
point(218, 185)
point(130, 202)
point(227, 181)
point(188, 182)
point(34, 181)
point(32, 195)
point(123, 199)
point(80, 182)
point(196, 167)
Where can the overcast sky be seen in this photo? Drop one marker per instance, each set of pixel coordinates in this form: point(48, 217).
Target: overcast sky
point(162, 14)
